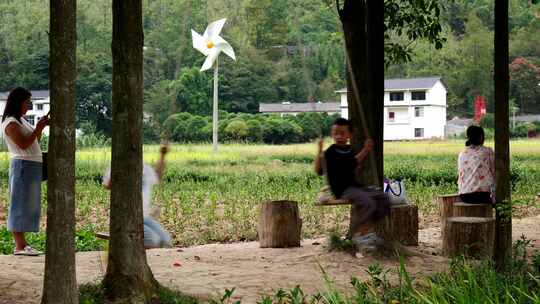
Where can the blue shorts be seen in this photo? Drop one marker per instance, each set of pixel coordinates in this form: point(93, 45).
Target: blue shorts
point(24, 195)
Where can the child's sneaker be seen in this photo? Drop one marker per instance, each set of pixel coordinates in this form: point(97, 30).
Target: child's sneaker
point(27, 251)
point(367, 241)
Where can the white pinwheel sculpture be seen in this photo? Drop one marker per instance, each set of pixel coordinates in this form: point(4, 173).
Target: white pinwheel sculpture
point(211, 44)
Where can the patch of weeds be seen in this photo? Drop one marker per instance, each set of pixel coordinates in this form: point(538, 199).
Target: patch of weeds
point(338, 243)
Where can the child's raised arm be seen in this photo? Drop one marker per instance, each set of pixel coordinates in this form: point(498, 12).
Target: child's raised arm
point(318, 167)
point(160, 165)
point(368, 146)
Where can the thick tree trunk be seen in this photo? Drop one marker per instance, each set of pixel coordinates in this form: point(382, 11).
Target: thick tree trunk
point(280, 225)
point(128, 278)
point(471, 236)
point(503, 239)
point(363, 30)
point(401, 225)
point(60, 283)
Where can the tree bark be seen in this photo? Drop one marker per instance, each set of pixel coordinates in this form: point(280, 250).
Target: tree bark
point(503, 239)
point(363, 30)
point(471, 236)
point(60, 282)
point(280, 225)
point(128, 278)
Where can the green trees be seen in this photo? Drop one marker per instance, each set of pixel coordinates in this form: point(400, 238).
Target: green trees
point(287, 51)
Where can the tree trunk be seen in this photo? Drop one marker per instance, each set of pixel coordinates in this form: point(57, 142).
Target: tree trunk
point(128, 278)
point(472, 210)
point(363, 30)
point(60, 282)
point(503, 239)
point(280, 225)
point(401, 225)
point(471, 236)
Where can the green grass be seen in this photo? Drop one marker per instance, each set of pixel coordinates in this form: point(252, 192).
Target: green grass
point(215, 198)
point(93, 294)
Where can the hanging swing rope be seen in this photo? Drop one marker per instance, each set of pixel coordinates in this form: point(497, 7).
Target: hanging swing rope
point(365, 129)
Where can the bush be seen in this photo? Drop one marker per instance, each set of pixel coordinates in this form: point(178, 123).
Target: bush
point(488, 121)
point(273, 129)
point(237, 130)
point(522, 129)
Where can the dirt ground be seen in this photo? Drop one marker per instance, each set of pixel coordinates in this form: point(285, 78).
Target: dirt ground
point(206, 271)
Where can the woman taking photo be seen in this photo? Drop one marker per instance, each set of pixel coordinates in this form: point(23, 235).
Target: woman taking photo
point(25, 170)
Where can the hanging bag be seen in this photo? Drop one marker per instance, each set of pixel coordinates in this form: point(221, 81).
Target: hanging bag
point(395, 189)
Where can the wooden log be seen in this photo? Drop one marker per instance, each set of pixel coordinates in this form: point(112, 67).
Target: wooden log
point(279, 225)
point(472, 210)
point(333, 202)
point(401, 225)
point(471, 236)
point(446, 208)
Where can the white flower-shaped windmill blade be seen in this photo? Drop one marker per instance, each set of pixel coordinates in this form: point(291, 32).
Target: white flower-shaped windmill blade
point(211, 44)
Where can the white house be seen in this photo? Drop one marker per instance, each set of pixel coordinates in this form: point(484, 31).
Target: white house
point(288, 108)
point(414, 108)
point(40, 106)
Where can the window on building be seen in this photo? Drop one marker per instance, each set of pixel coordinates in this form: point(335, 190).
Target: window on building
point(419, 95)
point(30, 119)
point(418, 111)
point(40, 106)
point(419, 132)
point(391, 116)
point(396, 96)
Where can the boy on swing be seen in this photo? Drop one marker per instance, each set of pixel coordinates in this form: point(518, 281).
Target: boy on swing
point(339, 163)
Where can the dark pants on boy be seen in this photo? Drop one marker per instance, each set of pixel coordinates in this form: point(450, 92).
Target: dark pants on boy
point(368, 206)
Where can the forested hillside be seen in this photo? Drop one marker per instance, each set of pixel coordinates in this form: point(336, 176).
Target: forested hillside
point(286, 51)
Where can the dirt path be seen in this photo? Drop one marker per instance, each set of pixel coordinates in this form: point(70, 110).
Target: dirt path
point(206, 271)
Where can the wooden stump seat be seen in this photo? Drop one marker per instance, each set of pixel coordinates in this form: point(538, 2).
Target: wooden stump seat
point(279, 225)
point(472, 210)
point(471, 236)
point(401, 225)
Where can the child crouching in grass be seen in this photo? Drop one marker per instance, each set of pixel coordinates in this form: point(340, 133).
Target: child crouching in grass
point(339, 163)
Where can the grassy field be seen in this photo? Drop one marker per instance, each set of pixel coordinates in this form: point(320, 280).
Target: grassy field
point(215, 198)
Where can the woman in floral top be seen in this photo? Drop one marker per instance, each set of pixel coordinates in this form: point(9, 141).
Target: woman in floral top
point(476, 166)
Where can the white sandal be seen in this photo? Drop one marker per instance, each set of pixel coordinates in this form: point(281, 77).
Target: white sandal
point(27, 251)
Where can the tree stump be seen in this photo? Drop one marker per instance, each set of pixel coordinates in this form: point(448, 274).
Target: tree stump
point(472, 210)
point(471, 236)
point(279, 225)
point(446, 206)
point(401, 225)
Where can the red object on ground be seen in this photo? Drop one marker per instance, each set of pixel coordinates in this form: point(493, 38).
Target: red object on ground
point(479, 108)
point(177, 264)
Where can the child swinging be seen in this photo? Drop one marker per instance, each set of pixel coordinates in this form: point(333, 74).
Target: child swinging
point(339, 163)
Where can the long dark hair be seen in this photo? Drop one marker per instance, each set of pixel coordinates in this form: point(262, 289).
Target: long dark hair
point(475, 136)
point(14, 103)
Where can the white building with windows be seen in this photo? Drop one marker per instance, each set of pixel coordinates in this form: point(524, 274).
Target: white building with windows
point(414, 108)
point(40, 106)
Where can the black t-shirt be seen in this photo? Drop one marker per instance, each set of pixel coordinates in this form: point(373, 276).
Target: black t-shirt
point(340, 168)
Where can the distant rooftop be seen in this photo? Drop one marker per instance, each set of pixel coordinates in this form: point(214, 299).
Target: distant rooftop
point(406, 84)
point(38, 94)
point(299, 107)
